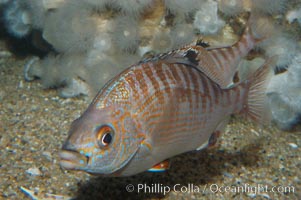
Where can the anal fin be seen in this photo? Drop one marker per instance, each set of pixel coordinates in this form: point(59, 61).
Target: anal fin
point(213, 139)
point(202, 146)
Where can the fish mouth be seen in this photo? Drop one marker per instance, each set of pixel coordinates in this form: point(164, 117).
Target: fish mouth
point(72, 160)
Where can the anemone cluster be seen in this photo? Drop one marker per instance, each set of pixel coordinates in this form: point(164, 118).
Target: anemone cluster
point(285, 96)
point(93, 40)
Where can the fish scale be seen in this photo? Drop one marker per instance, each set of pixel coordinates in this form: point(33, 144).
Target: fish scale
point(178, 122)
point(164, 106)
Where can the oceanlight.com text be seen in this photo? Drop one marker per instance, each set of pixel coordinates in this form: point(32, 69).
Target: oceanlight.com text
point(157, 188)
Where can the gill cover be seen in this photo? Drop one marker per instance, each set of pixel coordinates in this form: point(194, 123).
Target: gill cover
point(124, 144)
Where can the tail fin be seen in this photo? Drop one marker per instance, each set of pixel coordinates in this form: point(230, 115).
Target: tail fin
point(255, 101)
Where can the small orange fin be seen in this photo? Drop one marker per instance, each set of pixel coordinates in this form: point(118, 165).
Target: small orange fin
point(160, 167)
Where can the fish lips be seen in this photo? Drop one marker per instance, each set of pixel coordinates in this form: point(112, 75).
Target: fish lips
point(72, 160)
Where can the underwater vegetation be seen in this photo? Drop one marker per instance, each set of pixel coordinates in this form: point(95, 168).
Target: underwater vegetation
point(93, 40)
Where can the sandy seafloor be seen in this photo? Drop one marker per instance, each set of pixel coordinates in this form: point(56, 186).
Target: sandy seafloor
point(34, 122)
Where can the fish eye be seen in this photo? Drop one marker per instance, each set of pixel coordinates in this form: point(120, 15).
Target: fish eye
point(104, 136)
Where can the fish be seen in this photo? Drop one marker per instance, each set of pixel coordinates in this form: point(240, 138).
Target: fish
point(163, 106)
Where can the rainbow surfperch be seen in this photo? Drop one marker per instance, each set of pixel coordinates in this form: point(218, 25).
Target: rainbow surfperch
point(164, 106)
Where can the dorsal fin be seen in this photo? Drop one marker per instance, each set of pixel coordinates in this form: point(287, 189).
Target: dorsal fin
point(199, 58)
point(219, 64)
